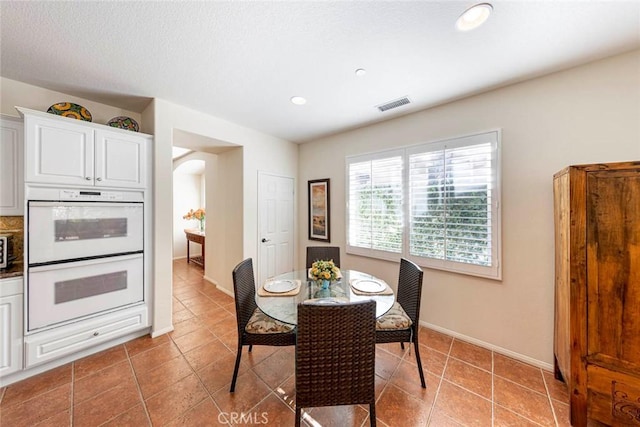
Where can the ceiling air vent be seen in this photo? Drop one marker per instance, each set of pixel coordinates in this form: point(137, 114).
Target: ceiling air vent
point(393, 104)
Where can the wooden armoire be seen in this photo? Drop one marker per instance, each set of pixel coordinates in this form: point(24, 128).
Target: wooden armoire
point(597, 291)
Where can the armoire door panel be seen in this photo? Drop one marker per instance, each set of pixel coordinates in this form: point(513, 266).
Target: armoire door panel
point(613, 263)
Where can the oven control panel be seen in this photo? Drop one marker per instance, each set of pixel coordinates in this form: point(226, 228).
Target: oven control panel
point(90, 195)
point(82, 194)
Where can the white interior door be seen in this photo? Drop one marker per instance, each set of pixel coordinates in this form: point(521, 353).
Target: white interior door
point(275, 225)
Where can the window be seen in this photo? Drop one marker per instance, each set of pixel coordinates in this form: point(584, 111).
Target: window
point(375, 203)
point(435, 203)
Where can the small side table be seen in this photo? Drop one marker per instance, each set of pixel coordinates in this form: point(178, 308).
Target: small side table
point(195, 236)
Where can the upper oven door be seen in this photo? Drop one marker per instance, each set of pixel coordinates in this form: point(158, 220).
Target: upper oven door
point(62, 231)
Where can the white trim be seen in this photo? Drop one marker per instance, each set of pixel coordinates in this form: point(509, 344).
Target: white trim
point(503, 351)
point(220, 288)
point(155, 334)
point(225, 291)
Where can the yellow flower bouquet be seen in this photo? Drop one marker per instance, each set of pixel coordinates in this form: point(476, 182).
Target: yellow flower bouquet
point(324, 270)
point(198, 214)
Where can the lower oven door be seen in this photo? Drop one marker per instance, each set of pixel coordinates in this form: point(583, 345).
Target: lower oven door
point(63, 292)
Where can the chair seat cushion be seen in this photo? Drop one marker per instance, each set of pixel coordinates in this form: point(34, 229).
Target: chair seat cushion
point(260, 323)
point(395, 318)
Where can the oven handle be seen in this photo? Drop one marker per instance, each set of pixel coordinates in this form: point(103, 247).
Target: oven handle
point(93, 261)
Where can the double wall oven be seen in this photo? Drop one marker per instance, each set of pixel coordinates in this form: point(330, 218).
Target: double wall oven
point(85, 254)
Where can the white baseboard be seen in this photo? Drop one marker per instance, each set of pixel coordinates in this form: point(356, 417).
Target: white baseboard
point(217, 285)
point(155, 334)
point(521, 357)
point(179, 257)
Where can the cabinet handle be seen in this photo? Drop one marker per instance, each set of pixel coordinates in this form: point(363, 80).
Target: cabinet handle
point(96, 333)
point(88, 178)
point(98, 179)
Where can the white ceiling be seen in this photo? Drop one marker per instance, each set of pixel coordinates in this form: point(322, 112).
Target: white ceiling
point(243, 61)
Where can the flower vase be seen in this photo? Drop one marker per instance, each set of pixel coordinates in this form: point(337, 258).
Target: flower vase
point(325, 284)
point(201, 225)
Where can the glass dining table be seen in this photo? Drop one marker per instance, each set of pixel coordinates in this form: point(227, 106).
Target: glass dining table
point(352, 286)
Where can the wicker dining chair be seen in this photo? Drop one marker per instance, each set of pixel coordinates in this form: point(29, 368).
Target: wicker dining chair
point(400, 323)
point(254, 327)
point(336, 356)
point(315, 253)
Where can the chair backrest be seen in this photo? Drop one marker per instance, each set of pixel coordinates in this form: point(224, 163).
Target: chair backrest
point(244, 290)
point(410, 289)
point(315, 253)
point(335, 354)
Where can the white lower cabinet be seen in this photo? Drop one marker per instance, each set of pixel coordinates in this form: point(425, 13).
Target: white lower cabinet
point(48, 345)
point(11, 331)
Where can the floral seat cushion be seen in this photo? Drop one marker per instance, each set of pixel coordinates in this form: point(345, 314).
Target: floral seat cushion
point(260, 323)
point(395, 318)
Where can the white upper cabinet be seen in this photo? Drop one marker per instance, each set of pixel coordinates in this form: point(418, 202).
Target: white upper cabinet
point(60, 150)
point(11, 166)
point(120, 159)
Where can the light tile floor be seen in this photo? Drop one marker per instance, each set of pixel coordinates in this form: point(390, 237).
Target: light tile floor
point(183, 379)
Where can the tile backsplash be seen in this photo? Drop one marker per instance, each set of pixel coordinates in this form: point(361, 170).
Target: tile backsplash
point(14, 225)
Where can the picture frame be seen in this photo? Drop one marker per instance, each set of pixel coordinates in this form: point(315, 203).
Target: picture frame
point(319, 210)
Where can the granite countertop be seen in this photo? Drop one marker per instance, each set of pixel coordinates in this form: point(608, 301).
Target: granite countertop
point(16, 270)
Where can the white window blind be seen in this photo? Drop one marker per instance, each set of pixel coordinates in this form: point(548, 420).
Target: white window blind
point(375, 203)
point(451, 212)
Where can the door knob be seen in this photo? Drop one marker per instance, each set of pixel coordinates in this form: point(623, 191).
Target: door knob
point(264, 240)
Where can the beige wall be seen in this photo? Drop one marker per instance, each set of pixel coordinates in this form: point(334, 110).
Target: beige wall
point(234, 189)
point(587, 114)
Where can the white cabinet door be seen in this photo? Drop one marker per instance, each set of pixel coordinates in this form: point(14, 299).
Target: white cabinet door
point(58, 151)
point(11, 167)
point(120, 159)
point(65, 151)
point(11, 336)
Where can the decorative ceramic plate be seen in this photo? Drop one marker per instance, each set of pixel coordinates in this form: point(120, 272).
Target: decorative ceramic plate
point(124, 122)
point(69, 109)
point(280, 286)
point(368, 285)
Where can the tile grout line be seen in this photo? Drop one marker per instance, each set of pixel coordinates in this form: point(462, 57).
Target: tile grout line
point(435, 397)
point(269, 387)
point(195, 373)
point(493, 389)
point(546, 387)
point(135, 376)
point(73, 385)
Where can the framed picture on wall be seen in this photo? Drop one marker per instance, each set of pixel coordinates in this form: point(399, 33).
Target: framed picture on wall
point(319, 221)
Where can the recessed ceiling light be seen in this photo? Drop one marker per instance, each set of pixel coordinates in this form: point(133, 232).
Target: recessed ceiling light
point(298, 100)
point(474, 17)
point(361, 72)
